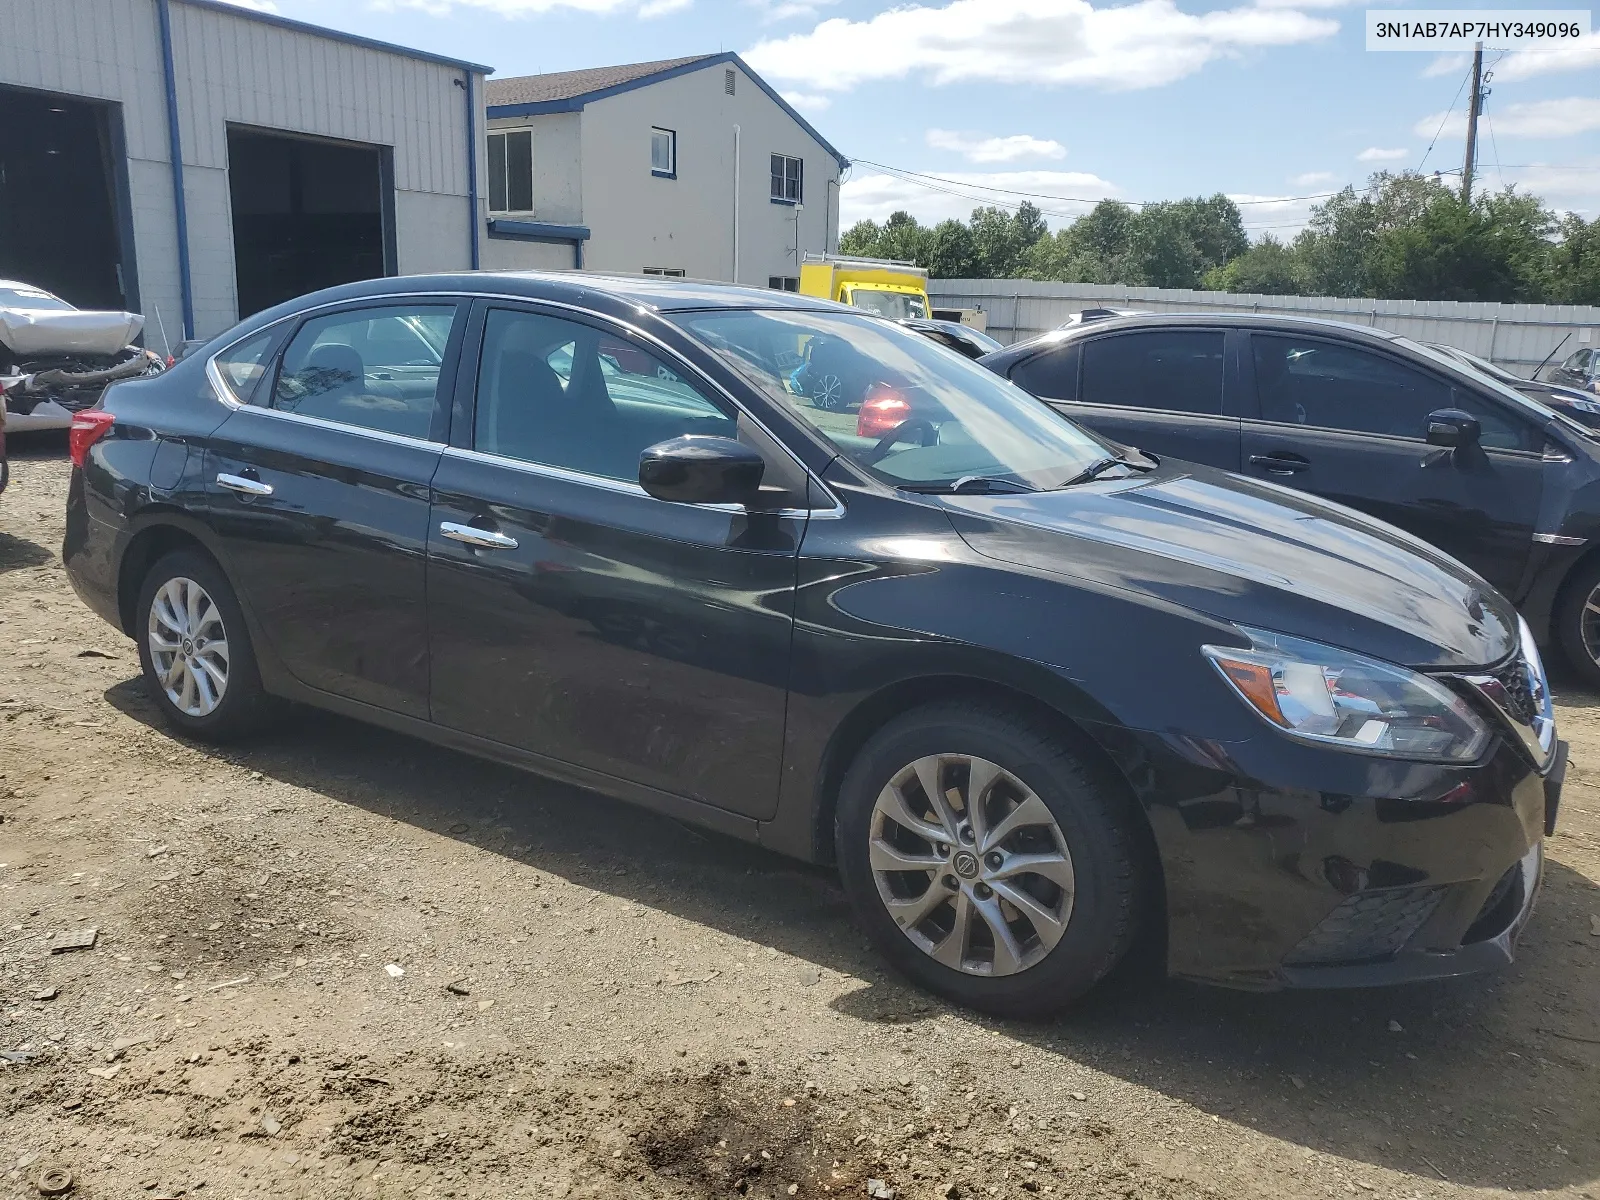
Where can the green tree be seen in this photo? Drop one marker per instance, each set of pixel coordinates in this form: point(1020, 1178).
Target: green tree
point(1002, 241)
point(951, 252)
point(1495, 248)
point(1573, 263)
point(1176, 242)
point(1269, 268)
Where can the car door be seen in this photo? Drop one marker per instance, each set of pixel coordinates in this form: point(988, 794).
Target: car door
point(1349, 422)
point(1162, 390)
point(574, 616)
point(318, 491)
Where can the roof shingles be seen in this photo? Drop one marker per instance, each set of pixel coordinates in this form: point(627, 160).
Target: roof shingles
point(568, 85)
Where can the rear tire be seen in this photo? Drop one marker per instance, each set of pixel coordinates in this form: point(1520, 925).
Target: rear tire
point(195, 651)
point(1034, 892)
point(1577, 629)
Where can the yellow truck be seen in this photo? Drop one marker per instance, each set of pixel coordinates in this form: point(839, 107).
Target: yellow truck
point(879, 285)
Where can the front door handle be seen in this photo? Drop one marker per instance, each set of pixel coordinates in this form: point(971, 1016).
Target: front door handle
point(1280, 464)
point(484, 539)
point(245, 487)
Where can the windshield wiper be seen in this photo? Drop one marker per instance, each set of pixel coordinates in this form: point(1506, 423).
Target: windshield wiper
point(969, 485)
point(1101, 465)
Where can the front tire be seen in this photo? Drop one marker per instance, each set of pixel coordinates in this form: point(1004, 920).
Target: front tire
point(1578, 623)
point(195, 650)
point(987, 860)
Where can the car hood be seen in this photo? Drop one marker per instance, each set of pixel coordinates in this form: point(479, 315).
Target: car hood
point(67, 331)
point(1252, 554)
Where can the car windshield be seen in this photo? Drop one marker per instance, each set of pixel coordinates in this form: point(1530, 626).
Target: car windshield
point(905, 409)
point(1527, 404)
point(32, 298)
point(897, 306)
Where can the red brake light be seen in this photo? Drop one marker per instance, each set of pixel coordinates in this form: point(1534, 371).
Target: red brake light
point(88, 427)
point(884, 409)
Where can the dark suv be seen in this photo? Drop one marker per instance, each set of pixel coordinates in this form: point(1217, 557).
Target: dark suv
point(1359, 416)
point(1580, 369)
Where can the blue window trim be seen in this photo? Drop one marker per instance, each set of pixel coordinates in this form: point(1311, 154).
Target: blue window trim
point(663, 174)
point(570, 104)
point(785, 203)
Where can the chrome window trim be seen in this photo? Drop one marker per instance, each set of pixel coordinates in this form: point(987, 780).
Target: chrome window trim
point(623, 486)
point(226, 395)
point(382, 435)
point(1557, 539)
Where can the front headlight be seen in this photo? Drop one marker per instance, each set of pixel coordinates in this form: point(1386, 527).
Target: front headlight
point(1324, 694)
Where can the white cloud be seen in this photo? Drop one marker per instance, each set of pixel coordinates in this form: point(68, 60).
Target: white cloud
point(1582, 55)
point(1280, 216)
point(1447, 64)
point(808, 101)
point(1139, 45)
point(773, 11)
point(531, 8)
point(662, 8)
point(980, 149)
point(1535, 118)
point(1379, 154)
point(1313, 178)
point(874, 197)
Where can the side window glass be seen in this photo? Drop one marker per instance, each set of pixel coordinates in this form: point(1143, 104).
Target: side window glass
point(244, 364)
point(1053, 374)
point(376, 368)
point(1176, 370)
point(1323, 384)
point(562, 394)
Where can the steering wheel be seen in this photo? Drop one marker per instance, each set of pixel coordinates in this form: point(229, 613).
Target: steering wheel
point(926, 431)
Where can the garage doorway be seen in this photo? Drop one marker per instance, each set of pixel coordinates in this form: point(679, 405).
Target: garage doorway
point(63, 199)
point(308, 213)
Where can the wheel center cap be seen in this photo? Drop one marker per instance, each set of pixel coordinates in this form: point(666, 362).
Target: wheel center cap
point(965, 864)
point(188, 645)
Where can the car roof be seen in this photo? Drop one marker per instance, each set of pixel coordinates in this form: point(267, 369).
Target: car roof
point(610, 293)
point(1250, 320)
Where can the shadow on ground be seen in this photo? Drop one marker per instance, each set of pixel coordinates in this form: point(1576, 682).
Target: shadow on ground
point(1490, 1081)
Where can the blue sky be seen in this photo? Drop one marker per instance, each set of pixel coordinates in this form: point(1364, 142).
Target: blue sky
point(1266, 100)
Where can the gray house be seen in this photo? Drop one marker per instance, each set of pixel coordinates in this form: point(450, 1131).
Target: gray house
point(197, 161)
point(690, 166)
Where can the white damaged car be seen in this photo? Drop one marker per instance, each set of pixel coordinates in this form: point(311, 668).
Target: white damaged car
point(55, 359)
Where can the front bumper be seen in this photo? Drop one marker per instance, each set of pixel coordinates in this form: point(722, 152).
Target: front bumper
point(1288, 865)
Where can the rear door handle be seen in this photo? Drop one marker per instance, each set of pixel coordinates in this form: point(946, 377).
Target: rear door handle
point(245, 487)
point(484, 539)
point(1280, 464)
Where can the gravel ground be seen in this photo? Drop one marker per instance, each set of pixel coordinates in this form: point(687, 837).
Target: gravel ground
point(337, 962)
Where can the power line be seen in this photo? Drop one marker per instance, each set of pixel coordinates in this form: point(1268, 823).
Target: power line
point(1444, 119)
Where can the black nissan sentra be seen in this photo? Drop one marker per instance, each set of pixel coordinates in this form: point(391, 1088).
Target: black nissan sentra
point(1040, 698)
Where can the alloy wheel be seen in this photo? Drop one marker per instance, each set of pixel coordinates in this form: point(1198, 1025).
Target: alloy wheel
point(971, 864)
point(828, 393)
point(1589, 625)
point(188, 647)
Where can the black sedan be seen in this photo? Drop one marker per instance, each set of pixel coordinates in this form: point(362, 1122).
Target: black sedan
point(1380, 423)
point(1039, 700)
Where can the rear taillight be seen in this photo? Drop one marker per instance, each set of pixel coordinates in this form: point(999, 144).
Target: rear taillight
point(882, 411)
point(87, 429)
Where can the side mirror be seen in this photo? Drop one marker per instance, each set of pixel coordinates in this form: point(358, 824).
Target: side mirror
point(1453, 428)
point(696, 469)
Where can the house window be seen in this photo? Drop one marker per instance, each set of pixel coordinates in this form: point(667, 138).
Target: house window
point(727, 81)
point(788, 179)
point(511, 171)
point(668, 272)
point(664, 153)
point(783, 283)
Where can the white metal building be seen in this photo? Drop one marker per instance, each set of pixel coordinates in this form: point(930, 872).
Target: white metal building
point(690, 166)
point(197, 161)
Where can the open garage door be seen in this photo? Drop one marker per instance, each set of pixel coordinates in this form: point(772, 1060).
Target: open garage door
point(61, 173)
point(307, 214)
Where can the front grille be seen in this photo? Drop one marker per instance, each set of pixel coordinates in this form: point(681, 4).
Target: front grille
point(1367, 926)
point(1519, 693)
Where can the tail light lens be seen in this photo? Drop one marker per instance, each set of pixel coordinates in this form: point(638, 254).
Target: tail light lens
point(87, 428)
point(882, 411)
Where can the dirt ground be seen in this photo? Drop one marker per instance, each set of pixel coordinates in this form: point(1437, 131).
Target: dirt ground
point(337, 962)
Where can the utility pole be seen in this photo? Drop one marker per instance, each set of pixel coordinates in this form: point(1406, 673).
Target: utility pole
point(1473, 109)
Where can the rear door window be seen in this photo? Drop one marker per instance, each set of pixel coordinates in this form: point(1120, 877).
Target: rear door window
point(374, 368)
point(1175, 370)
point(1052, 375)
